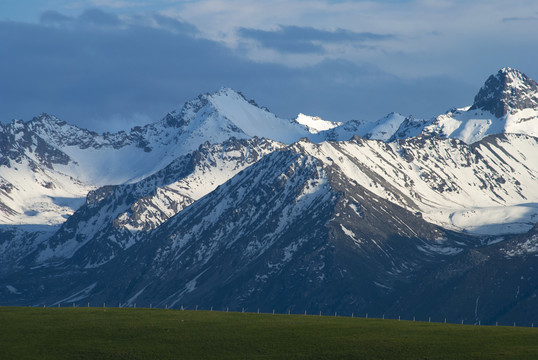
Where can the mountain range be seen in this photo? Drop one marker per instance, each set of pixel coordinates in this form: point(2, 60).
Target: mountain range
point(224, 204)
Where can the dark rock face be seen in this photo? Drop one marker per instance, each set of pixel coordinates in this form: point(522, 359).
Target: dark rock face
point(490, 284)
point(18, 140)
point(508, 90)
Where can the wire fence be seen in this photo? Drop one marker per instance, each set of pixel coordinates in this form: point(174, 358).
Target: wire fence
point(365, 315)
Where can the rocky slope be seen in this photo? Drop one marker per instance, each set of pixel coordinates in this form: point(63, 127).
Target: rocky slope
point(115, 217)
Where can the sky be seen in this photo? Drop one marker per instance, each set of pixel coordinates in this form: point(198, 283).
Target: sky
point(108, 65)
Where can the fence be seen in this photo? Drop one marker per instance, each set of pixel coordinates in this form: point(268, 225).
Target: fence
point(443, 320)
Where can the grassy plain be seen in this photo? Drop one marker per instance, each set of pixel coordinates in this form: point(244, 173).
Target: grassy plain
point(112, 333)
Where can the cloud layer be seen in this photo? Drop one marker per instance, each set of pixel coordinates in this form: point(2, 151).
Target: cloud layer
point(119, 66)
point(296, 39)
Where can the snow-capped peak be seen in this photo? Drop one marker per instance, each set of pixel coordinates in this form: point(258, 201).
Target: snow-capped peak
point(508, 91)
point(315, 124)
point(383, 129)
point(251, 119)
point(47, 119)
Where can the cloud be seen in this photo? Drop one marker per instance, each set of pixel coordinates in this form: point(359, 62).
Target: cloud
point(296, 39)
point(51, 17)
point(99, 18)
point(90, 17)
point(172, 25)
point(123, 70)
point(464, 39)
point(431, 37)
point(526, 18)
point(118, 3)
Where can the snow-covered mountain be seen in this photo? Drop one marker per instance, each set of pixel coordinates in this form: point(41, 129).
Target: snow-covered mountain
point(115, 217)
point(486, 188)
point(33, 191)
point(222, 203)
point(48, 166)
point(289, 230)
point(507, 103)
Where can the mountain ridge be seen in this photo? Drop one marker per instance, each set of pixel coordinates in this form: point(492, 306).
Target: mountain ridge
point(197, 208)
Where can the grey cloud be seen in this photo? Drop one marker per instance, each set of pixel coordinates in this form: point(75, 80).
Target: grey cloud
point(54, 18)
point(300, 40)
point(99, 18)
point(528, 18)
point(175, 25)
point(93, 17)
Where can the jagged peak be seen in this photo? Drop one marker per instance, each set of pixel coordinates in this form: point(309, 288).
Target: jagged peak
point(235, 94)
point(228, 91)
point(43, 121)
point(47, 119)
point(202, 100)
point(508, 70)
point(515, 78)
point(392, 114)
point(507, 91)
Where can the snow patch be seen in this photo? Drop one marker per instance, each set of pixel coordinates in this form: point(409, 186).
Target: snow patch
point(316, 124)
point(12, 289)
point(530, 246)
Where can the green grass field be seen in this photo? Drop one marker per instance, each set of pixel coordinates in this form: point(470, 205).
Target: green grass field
point(97, 333)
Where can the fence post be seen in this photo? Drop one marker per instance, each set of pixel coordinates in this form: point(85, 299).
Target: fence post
point(383, 317)
point(367, 315)
point(273, 311)
point(352, 315)
point(398, 317)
